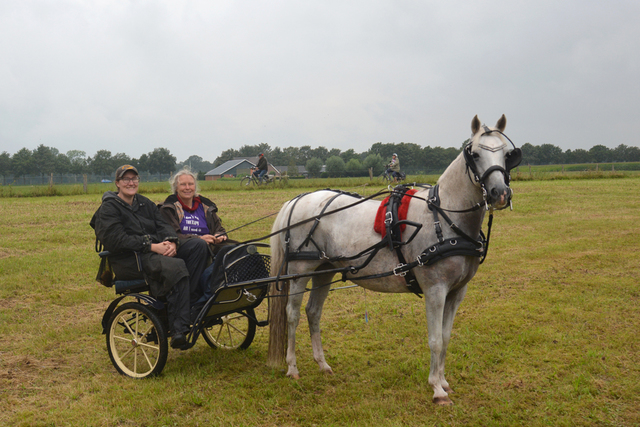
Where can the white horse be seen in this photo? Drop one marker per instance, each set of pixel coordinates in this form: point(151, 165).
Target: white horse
point(480, 178)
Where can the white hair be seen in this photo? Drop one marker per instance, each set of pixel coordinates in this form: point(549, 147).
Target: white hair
point(184, 171)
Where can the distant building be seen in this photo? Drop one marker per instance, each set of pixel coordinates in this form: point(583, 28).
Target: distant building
point(233, 168)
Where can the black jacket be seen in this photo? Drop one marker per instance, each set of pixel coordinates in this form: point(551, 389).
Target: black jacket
point(262, 164)
point(124, 229)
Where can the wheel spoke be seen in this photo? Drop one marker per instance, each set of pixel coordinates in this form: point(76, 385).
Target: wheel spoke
point(230, 337)
point(239, 331)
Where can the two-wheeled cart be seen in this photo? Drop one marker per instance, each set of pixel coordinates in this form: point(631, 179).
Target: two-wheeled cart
point(137, 329)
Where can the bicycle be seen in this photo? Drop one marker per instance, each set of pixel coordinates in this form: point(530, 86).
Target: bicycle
point(388, 178)
point(251, 179)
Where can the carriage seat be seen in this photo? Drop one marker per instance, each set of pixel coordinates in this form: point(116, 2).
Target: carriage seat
point(124, 286)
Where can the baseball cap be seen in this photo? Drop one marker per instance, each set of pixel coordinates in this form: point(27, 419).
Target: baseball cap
point(122, 169)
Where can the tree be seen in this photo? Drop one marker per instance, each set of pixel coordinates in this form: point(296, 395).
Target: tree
point(529, 154)
point(120, 159)
point(292, 169)
point(354, 167)
point(600, 153)
point(161, 161)
point(5, 165)
point(196, 164)
point(349, 154)
point(549, 154)
point(100, 164)
point(314, 166)
point(375, 162)
point(44, 160)
point(141, 163)
point(77, 161)
point(225, 157)
point(22, 162)
point(62, 164)
point(321, 152)
point(577, 156)
point(335, 166)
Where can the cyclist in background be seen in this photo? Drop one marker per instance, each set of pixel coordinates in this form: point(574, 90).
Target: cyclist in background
point(262, 167)
point(393, 168)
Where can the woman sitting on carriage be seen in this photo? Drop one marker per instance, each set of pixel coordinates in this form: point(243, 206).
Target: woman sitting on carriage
point(194, 218)
point(129, 226)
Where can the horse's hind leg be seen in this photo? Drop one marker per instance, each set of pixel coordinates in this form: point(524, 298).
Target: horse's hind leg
point(314, 306)
point(296, 292)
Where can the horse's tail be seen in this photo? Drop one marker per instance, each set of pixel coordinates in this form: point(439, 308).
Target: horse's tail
point(278, 292)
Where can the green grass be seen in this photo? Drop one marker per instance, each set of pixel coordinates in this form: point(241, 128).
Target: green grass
point(547, 334)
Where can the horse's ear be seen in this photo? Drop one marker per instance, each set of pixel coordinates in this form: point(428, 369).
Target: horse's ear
point(475, 125)
point(502, 123)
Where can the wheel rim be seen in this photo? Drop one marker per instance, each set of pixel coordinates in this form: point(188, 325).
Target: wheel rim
point(231, 334)
point(134, 343)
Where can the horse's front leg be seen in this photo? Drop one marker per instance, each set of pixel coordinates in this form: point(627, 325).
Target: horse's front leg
point(454, 299)
point(314, 313)
point(435, 298)
point(293, 318)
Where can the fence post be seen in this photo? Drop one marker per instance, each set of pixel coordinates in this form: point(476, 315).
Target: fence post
point(370, 174)
point(84, 183)
point(51, 181)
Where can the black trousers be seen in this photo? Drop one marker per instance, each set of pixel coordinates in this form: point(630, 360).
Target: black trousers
point(195, 254)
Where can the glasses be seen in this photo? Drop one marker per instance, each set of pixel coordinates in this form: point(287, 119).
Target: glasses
point(135, 180)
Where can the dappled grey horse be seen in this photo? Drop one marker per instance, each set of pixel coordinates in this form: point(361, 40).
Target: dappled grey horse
point(476, 181)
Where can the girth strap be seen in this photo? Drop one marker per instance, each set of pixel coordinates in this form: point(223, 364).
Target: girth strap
point(394, 236)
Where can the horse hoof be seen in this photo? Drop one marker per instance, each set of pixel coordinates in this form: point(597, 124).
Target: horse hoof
point(294, 376)
point(442, 401)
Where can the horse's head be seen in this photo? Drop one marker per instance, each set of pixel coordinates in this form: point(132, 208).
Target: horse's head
point(490, 159)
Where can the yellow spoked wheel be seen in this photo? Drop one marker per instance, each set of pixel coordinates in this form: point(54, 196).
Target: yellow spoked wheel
point(137, 341)
point(235, 331)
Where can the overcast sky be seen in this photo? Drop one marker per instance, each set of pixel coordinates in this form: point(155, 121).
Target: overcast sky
point(200, 77)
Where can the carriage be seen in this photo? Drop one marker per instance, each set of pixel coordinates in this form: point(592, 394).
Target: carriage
point(435, 259)
point(136, 323)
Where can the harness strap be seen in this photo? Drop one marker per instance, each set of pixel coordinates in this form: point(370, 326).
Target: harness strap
point(315, 225)
point(432, 202)
point(434, 205)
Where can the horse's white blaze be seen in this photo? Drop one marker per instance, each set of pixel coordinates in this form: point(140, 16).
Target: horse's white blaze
point(346, 233)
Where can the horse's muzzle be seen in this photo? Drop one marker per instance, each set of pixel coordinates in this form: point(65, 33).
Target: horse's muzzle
point(499, 197)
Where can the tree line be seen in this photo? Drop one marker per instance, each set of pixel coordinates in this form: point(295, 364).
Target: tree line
point(414, 159)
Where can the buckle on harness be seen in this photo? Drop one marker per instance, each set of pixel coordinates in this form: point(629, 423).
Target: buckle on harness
point(400, 274)
point(388, 218)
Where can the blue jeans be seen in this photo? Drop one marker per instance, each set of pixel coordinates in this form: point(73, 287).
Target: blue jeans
point(260, 174)
point(205, 284)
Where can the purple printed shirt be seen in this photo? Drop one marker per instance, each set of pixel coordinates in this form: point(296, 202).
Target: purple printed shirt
point(194, 222)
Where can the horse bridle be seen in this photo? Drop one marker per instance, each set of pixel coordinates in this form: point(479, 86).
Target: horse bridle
point(512, 160)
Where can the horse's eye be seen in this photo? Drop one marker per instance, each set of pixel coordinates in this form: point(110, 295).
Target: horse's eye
point(475, 155)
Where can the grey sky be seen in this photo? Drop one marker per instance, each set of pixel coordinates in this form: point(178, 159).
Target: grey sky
point(199, 77)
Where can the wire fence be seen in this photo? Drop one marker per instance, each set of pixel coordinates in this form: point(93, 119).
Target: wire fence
point(54, 179)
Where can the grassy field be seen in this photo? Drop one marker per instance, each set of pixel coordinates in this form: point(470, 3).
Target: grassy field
point(547, 334)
